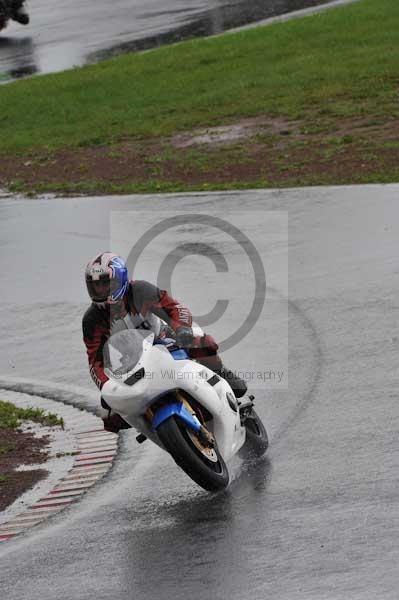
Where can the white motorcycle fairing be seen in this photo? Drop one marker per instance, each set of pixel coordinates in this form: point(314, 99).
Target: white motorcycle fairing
point(156, 374)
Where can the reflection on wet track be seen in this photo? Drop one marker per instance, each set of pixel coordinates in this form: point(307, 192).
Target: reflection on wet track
point(19, 54)
point(63, 35)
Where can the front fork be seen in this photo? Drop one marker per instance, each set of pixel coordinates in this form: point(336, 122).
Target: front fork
point(181, 408)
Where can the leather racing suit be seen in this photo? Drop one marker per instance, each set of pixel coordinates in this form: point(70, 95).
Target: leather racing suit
point(145, 306)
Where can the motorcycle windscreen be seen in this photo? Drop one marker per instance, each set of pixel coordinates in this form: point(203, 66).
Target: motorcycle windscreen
point(124, 350)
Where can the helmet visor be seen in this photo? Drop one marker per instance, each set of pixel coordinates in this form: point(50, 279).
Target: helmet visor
point(102, 289)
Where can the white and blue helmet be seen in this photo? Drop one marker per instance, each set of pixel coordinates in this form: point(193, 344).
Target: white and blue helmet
point(107, 278)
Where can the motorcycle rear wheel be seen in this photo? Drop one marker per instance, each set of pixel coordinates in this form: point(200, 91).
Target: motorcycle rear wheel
point(256, 440)
point(205, 466)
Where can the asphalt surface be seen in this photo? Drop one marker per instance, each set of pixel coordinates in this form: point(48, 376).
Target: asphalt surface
point(317, 519)
point(62, 35)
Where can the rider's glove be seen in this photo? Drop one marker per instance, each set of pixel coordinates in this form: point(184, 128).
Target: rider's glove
point(184, 336)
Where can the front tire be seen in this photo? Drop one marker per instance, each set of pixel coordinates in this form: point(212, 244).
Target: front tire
point(256, 440)
point(205, 467)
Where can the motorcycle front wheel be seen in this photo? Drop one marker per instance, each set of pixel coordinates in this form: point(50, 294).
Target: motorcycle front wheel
point(204, 465)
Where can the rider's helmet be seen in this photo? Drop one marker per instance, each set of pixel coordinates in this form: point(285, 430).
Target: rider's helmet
point(107, 278)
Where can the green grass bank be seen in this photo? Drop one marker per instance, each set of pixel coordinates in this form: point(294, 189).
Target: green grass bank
point(11, 417)
point(317, 98)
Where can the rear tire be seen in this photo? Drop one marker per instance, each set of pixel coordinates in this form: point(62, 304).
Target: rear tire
point(256, 441)
point(182, 443)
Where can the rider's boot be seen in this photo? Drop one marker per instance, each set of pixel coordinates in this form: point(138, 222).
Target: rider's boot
point(113, 422)
point(237, 384)
point(20, 14)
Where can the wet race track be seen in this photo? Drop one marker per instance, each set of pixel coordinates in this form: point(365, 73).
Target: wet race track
point(316, 519)
point(62, 35)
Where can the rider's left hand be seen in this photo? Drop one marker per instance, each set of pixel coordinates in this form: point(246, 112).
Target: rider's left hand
point(184, 336)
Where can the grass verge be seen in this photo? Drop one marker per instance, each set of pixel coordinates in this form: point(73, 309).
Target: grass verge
point(320, 93)
point(11, 416)
point(19, 448)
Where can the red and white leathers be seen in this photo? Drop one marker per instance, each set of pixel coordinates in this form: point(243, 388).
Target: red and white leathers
point(144, 306)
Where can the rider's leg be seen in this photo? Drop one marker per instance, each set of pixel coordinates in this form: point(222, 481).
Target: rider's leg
point(205, 352)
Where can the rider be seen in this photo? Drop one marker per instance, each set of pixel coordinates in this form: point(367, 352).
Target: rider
point(19, 12)
point(16, 9)
point(144, 306)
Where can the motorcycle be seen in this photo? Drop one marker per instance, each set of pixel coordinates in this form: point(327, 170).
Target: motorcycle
point(180, 405)
point(13, 10)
